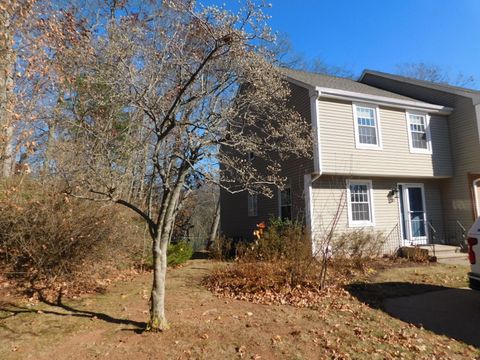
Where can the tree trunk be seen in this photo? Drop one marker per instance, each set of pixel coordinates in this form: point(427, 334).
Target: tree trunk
point(158, 321)
point(8, 151)
point(50, 147)
point(6, 87)
point(214, 228)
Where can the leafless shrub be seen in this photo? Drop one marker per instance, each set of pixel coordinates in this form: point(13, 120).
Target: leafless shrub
point(282, 240)
point(415, 254)
point(46, 237)
point(222, 248)
point(359, 244)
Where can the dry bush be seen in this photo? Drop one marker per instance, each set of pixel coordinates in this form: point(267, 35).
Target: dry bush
point(358, 244)
point(416, 254)
point(282, 240)
point(284, 243)
point(280, 269)
point(222, 249)
point(47, 238)
point(272, 282)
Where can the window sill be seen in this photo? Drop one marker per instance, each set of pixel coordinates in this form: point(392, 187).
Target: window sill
point(367, 147)
point(360, 224)
point(420, 151)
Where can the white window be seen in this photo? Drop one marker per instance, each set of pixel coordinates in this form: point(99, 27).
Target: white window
point(367, 126)
point(419, 133)
point(286, 204)
point(360, 203)
point(252, 205)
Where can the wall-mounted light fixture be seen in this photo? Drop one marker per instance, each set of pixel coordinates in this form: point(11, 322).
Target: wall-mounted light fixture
point(392, 194)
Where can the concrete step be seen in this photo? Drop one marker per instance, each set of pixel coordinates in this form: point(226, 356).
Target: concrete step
point(440, 248)
point(444, 251)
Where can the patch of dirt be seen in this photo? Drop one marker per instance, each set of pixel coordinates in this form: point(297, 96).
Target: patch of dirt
point(204, 326)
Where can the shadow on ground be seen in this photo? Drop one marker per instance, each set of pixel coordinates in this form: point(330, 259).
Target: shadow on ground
point(201, 255)
point(55, 308)
point(445, 311)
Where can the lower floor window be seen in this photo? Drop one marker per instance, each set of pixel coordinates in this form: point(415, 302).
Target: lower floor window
point(252, 205)
point(286, 204)
point(359, 197)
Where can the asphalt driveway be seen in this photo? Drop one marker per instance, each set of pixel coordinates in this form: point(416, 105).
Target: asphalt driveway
point(452, 312)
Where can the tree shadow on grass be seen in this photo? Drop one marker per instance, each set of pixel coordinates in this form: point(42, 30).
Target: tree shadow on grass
point(8, 310)
point(445, 311)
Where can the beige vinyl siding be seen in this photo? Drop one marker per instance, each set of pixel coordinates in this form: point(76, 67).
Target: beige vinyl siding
point(328, 191)
point(466, 160)
point(340, 155)
point(465, 147)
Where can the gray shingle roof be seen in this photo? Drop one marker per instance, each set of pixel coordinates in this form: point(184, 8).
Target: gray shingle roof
point(429, 84)
point(333, 82)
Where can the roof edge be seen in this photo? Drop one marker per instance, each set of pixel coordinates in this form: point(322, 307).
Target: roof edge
point(447, 88)
point(377, 99)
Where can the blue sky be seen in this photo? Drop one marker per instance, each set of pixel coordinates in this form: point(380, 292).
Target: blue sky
point(379, 34)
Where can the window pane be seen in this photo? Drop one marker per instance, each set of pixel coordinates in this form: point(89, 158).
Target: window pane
point(419, 140)
point(286, 204)
point(252, 205)
point(367, 126)
point(285, 197)
point(367, 135)
point(360, 202)
point(418, 131)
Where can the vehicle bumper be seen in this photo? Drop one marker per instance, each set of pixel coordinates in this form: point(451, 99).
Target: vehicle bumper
point(474, 281)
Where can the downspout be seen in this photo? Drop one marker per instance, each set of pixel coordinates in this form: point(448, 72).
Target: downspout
point(317, 165)
point(477, 114)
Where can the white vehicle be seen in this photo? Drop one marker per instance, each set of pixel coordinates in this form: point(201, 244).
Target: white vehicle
point(473, 242)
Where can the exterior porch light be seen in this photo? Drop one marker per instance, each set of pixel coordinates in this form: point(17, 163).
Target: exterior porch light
point(393, 193)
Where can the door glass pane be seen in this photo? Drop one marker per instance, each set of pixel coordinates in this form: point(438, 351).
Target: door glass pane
point(416, 212)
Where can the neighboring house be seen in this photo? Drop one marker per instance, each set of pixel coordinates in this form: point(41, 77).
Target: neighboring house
point(390, 154)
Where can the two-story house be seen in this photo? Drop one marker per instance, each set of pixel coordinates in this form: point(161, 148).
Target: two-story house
point(390, 154)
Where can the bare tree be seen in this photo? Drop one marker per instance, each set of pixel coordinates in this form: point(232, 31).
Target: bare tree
point(434, 73)
point(159, 100)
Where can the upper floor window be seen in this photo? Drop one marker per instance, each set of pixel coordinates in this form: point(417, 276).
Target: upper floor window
point(286, 204)
point(419, 133)
point(252, 205)
point(360, 203)
point(367, 126)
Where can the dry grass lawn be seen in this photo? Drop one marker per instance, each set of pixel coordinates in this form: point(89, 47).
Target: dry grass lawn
point(206, 327)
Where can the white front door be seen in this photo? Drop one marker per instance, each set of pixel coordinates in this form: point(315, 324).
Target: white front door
point(413, 213)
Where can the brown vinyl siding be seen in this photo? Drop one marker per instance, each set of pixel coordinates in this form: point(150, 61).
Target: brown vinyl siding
point(234, 222)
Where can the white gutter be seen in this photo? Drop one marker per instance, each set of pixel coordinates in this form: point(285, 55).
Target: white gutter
point(317, 148)
point(309, 179)
point(382, 100)
point(477, 114)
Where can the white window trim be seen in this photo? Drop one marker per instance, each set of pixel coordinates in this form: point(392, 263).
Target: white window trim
point(404, 237)
point(476, 195)
point(351, 222)
point(413, 150)
point(359, 145)
point(255, 212)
